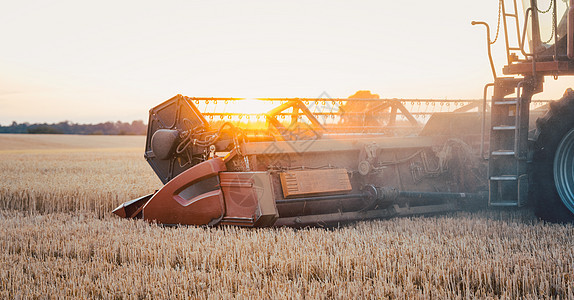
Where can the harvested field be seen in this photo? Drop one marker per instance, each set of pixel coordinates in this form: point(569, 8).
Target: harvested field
point(59, 240)
point(62, 173)
point(34, 143)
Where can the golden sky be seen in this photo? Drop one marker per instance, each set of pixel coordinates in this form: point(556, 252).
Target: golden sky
point(105, 60)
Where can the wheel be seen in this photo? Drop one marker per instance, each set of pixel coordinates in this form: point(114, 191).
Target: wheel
point(552, 185)
point(564, 170)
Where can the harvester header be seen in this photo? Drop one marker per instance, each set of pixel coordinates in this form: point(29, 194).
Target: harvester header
point(307, 161)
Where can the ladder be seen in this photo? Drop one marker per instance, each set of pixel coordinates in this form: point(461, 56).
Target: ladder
point(512, 14)
point(508, 178)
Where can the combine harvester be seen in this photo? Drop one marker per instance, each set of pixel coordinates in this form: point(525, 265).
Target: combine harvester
point(325, 161)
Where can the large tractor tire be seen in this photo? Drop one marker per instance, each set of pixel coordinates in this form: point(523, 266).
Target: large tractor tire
point(552, 185)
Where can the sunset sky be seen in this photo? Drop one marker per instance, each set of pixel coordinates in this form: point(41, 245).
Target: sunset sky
point(103, 61)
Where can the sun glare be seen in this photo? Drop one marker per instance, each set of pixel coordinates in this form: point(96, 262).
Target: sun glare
point(250, 106)
point(248, 113)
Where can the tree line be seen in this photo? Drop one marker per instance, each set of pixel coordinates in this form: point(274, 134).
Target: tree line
point(66, 127)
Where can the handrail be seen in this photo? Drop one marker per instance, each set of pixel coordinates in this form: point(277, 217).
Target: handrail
point(526, 15)
point(483, 120)
point(518, 120)
point(570, 32)
point(555, 29)
point(493, 69)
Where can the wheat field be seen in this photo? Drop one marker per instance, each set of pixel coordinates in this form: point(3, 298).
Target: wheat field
point(59, 240)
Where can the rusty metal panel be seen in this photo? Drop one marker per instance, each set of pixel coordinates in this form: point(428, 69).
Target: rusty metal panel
point(249, 199)
point(542, 67)
point(295, 183)
point(191, 198)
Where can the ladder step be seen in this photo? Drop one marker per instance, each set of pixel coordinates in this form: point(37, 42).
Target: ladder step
point(504, 203)
point(504, 127)
point(503, 152)
point(504, 178)
point(506, 102)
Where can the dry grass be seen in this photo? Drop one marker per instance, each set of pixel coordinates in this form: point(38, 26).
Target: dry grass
point(34, 143)
point(59, 240)
point(465, 255)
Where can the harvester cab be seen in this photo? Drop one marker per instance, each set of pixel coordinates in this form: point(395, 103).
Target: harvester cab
point(324, 161)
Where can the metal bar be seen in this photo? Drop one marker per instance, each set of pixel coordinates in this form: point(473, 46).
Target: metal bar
point(393, 116)
point(406, 113)
point(341, 101)
point(492, 68)
point(328, 100)
point(536, 42)
point(526, 15)
point(403, 194)
point(508, 59)
point(404, 101)
point(334, 144)
point(517, 120)
point(483, 120)
point(440, 195)
point(516, 20)
point(393, 211)
point(237, 219)
point(287, 114)
point(321, 198)
point(570, 31)
point(555, 29)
